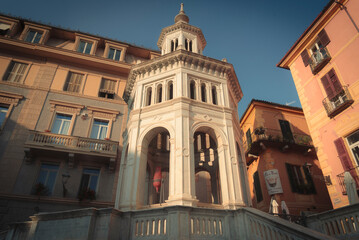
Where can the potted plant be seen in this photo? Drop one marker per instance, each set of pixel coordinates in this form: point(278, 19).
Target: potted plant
point(87, 194)
point(259, 131)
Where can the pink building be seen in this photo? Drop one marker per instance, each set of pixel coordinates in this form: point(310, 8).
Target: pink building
point(281, 160)
point(324, 66)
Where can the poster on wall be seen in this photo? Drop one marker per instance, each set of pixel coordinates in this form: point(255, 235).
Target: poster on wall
point(273, 183)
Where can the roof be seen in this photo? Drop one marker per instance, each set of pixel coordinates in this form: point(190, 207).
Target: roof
point(269, 103)
point(279, 64)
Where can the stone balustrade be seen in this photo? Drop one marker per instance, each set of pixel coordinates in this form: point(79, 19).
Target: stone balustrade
point(71, 143)
point(342, 223)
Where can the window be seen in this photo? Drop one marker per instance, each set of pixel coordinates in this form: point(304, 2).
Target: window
point(319, 55)
point(99, 129)
point(174, 45)
point(249, 137)
point(257, 187)
point(33, 36)
point(203, 93)
point(353, 142)
point(159, 93)
point(148, 96)
point(107, 89)
point(4, 29)
point(61, 124)
point(47, 178)
point(89, 180)
point(286, 131)
point(214, 96)
point(338, 97)
point(3, 113)
point(15, 72)
point(170, 90)
point(192, 90)
point(84, 47)
point(114, 54)
point(188, 45)
point(300, 179)
point(73, 82)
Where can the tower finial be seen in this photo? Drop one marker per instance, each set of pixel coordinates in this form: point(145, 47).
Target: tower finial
point(181, 16)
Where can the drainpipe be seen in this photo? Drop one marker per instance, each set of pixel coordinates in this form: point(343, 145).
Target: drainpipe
point(346, 10)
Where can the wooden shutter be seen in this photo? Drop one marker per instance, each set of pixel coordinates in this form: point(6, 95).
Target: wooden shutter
point(286, 131)
point(257, 187)
point(291, 175)
point(323, 38)
point(337, 87)
point(249, 137)
point(343, 154)
point(310, 182)
point(305, 58)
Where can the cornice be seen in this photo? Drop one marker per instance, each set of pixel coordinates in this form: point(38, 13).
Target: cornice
point(186, 59)
point(181, 25)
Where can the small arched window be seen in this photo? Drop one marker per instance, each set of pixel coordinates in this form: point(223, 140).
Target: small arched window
point(192, 90)
point(148, 96)
point(190, 46)
point(159, 93)
point(203, 93)
point(170, 90)
point(186, 43)
point(214, 96)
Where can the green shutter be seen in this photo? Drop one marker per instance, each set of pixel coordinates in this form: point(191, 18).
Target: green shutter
point(257, 187)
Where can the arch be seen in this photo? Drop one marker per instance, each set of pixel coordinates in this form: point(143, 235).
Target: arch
point(214, 95)
point(192, 90)
point(152, 130)
point(170, 90)
point(203, 93)
point(148, 96)
point(211, 129)
point(159, 93)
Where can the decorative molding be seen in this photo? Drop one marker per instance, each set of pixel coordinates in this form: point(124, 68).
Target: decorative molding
point(103, 113)
point(10, 98)
point(65, 107)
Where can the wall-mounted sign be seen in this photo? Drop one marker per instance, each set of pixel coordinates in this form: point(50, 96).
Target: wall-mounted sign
point(273, 183)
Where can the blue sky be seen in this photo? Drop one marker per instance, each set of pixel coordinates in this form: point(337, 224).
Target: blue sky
point(253, 34)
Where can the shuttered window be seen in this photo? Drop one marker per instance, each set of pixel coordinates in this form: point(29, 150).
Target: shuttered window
point(257, 187)
point(15, 72)
point(73, 82)
point(305, 57)
point(323, 38)
point(322, 41)
point(107, 89)
point(343, 154)
point(286, 131)
point(300, 179)
point(249, 138)
point(331, 84)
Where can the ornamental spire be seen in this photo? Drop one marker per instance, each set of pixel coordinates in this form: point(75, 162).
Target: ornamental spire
point(181, 16)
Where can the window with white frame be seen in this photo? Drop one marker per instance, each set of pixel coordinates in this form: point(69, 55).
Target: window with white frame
point(15, 72)
point(84, 47)
point(89, 180)
point(107, 88)
point(99, 129)
point(73, 82)
point(46, 179)
point(114, 54)
point(61, 124)
point(353, 142)
point(33, 36)
point(3, 112)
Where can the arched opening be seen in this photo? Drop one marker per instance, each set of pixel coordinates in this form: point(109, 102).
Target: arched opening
point(157, 168)
point(174, 44)
point(188, 45)
point(170, 90)
point(192, 90)
point(206, 168)
point(214, 96)
point(203, 93)
point(159, 93)
point(148, 96)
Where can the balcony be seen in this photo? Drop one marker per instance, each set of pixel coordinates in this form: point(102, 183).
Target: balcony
point(266, 137)
point(92, 149)
point(319, 59)
point(336, 104)
point(354, 172)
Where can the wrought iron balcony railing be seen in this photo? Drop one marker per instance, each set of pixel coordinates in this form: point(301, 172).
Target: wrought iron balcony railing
point(354, 172)
point(72, 143)
point(275, 136)
point(319, 59)
point(338, 103)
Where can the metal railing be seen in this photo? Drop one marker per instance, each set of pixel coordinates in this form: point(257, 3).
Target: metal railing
point(65, 142)
point(354, 172)
point(318, 60)
point(274, 135)
point(339, 102)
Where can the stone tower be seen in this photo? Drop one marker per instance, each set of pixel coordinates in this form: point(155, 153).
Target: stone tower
point(183, 129)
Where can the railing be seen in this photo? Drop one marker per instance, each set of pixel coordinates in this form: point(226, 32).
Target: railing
point(65, 142)
point(274, 135)
point(336, 104)
point(342, 223)
point(319, 59)
point(354, 173)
